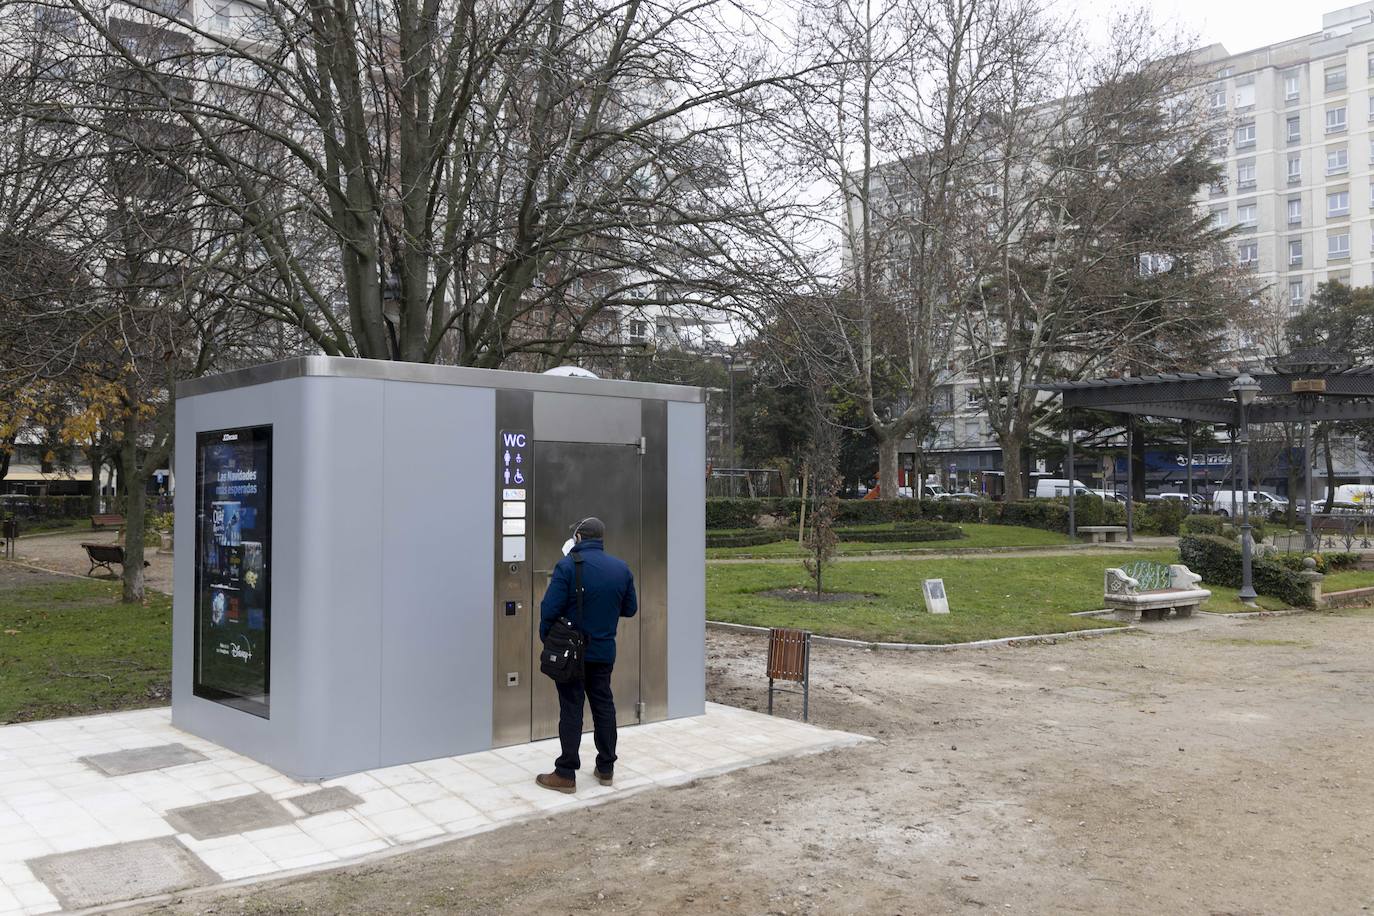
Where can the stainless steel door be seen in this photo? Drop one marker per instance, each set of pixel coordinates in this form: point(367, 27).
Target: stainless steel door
point(573, 480)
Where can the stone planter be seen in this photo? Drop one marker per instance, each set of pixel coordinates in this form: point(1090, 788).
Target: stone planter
point(166, 538)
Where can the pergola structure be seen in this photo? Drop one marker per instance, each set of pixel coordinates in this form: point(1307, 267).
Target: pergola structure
point(1302, 387)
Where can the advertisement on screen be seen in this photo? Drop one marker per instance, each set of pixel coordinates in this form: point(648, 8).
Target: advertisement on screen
point(233, 576)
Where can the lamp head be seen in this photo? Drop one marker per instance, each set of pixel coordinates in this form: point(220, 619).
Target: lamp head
point(1245, 388)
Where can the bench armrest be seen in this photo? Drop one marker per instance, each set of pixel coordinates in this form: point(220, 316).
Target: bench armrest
point(1181, 576)
point(1116, 582)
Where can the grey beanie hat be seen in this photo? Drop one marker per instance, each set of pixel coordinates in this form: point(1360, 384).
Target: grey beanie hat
point(590, 527)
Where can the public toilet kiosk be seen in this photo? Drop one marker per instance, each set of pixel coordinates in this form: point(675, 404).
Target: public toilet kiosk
point(361, 548)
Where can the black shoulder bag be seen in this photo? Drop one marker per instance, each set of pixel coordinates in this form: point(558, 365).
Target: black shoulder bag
point(566, 646)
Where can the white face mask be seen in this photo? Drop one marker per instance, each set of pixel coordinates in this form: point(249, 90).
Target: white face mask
point(568, 546)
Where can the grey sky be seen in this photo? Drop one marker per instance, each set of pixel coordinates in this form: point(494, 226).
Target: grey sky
point(1240, 25)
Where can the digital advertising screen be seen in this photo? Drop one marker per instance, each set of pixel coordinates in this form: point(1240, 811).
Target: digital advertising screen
point(233, 626)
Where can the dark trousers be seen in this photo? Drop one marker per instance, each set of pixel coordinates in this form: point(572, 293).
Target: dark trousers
point(595, 688)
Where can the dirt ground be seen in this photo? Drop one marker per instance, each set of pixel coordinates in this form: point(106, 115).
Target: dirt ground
point(1224, 769)
point(64, 552)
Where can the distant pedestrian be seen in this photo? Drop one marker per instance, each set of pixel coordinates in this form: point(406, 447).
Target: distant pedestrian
point(608, 594)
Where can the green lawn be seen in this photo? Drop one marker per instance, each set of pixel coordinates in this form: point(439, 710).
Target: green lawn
point(69, 648)
point(1346, 579)
point(1224, 600)
point(978, 536)
point(989, 596)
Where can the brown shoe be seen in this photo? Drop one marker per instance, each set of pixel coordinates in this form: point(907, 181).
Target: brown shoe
point(556, 783)
point(604, 778)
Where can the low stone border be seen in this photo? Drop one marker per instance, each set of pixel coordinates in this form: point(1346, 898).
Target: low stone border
point(930, 647)
point(1353, 597)
point(950, 551)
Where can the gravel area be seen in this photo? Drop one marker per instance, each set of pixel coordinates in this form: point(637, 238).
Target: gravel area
point(63, 552)
point(1222, 767)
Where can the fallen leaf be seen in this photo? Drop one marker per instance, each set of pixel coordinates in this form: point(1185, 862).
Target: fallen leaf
point(11, 632)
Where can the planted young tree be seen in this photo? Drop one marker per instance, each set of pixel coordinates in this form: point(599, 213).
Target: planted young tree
point(822, 466)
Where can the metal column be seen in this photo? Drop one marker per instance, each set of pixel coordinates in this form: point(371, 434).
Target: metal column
point(1130, 478)
point(1307, 543)
point(1188, 432)
point(1247, 593)
point(1073, 527)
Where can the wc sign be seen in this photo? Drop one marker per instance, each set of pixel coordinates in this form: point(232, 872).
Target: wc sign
point(513, 472)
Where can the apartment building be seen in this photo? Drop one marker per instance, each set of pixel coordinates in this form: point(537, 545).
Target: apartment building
point(1298, 147)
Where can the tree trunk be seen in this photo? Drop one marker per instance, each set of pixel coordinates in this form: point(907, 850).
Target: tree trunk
point(1291, 518)
point(96, 463)
point(1013, 484)
point(888, 479)
point(135, 515)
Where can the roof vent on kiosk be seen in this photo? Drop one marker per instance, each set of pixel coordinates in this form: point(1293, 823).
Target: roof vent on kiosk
point(571, 372)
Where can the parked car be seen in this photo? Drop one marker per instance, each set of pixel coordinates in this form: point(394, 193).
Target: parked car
point(965, 494)
point(18, 505)
point(1051, 487)
point(1198, 502)
point(1231, 502)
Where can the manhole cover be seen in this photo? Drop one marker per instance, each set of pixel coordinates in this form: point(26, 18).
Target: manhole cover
point(142, 759)
point(333, 798)
point(233, 815)
point(124, 871)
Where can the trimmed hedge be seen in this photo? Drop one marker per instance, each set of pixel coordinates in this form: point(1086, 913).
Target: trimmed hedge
point(910, 531)
point(1213, 525)
point(1218, 561)
point(1326, 562)
point(733, 512)
point(751, 537)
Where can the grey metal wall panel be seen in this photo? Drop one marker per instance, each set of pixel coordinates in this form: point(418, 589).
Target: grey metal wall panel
point(653, 564)
point(585, 418)
point(436, 567)
point(342, 604)
point(271, 740)
point(686, 559)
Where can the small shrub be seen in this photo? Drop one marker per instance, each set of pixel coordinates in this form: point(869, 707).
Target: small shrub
point(745, 537)
point(903, 531)
point(1163, 517)
point(1326, 562)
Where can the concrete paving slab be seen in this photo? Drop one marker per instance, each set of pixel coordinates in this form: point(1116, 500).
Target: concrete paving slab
point(142, 759)
point(241, 814)
point(122, 871)
point(334, 798)
point(105, 840)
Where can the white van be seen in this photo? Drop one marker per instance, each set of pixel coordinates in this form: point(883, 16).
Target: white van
point(1050, 487)
point(1262, 504)
point(1356, 494)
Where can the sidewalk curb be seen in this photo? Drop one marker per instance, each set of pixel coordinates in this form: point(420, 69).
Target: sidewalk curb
point(931, 647)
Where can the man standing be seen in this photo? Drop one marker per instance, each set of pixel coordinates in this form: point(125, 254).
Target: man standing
point(608, 593)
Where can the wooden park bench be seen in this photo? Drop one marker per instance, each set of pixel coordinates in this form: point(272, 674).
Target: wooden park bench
point(104, 555)
point(1152, 590)
point(107, 521)
point(1109, 534)
point(789, 659)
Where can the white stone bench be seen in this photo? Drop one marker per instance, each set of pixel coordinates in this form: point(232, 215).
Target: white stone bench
point(1152, 590)
point(1109, 534)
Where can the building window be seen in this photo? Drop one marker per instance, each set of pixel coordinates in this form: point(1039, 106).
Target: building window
point(1246, 215)
point(1294, 130)
point(1335, 79)
point(1295, 292)
point(1219, 217)
point(1248, 252)
point(1225, 72)
point(1217, 96)
point(1337, 161)
point(1295, 166)
point(1245, 135)
point(1338, 203)
point(1295, 252)
point(1335, 120)
point(1295, 211)
point(1338, 246)
point(1292, 85)
point(1245, 94)
point(639, 330)
point(1245, 174)
point(1217, 188)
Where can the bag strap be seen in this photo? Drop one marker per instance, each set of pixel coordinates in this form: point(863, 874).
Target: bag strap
point(577, 573)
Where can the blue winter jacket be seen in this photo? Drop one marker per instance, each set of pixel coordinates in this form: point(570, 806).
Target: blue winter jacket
point(608, 593)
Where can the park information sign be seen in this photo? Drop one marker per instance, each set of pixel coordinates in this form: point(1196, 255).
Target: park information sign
point(936, 601)
point(233, 623)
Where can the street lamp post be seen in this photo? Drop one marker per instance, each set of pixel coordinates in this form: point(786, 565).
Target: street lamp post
point(730, 368)
point(1244, 388)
